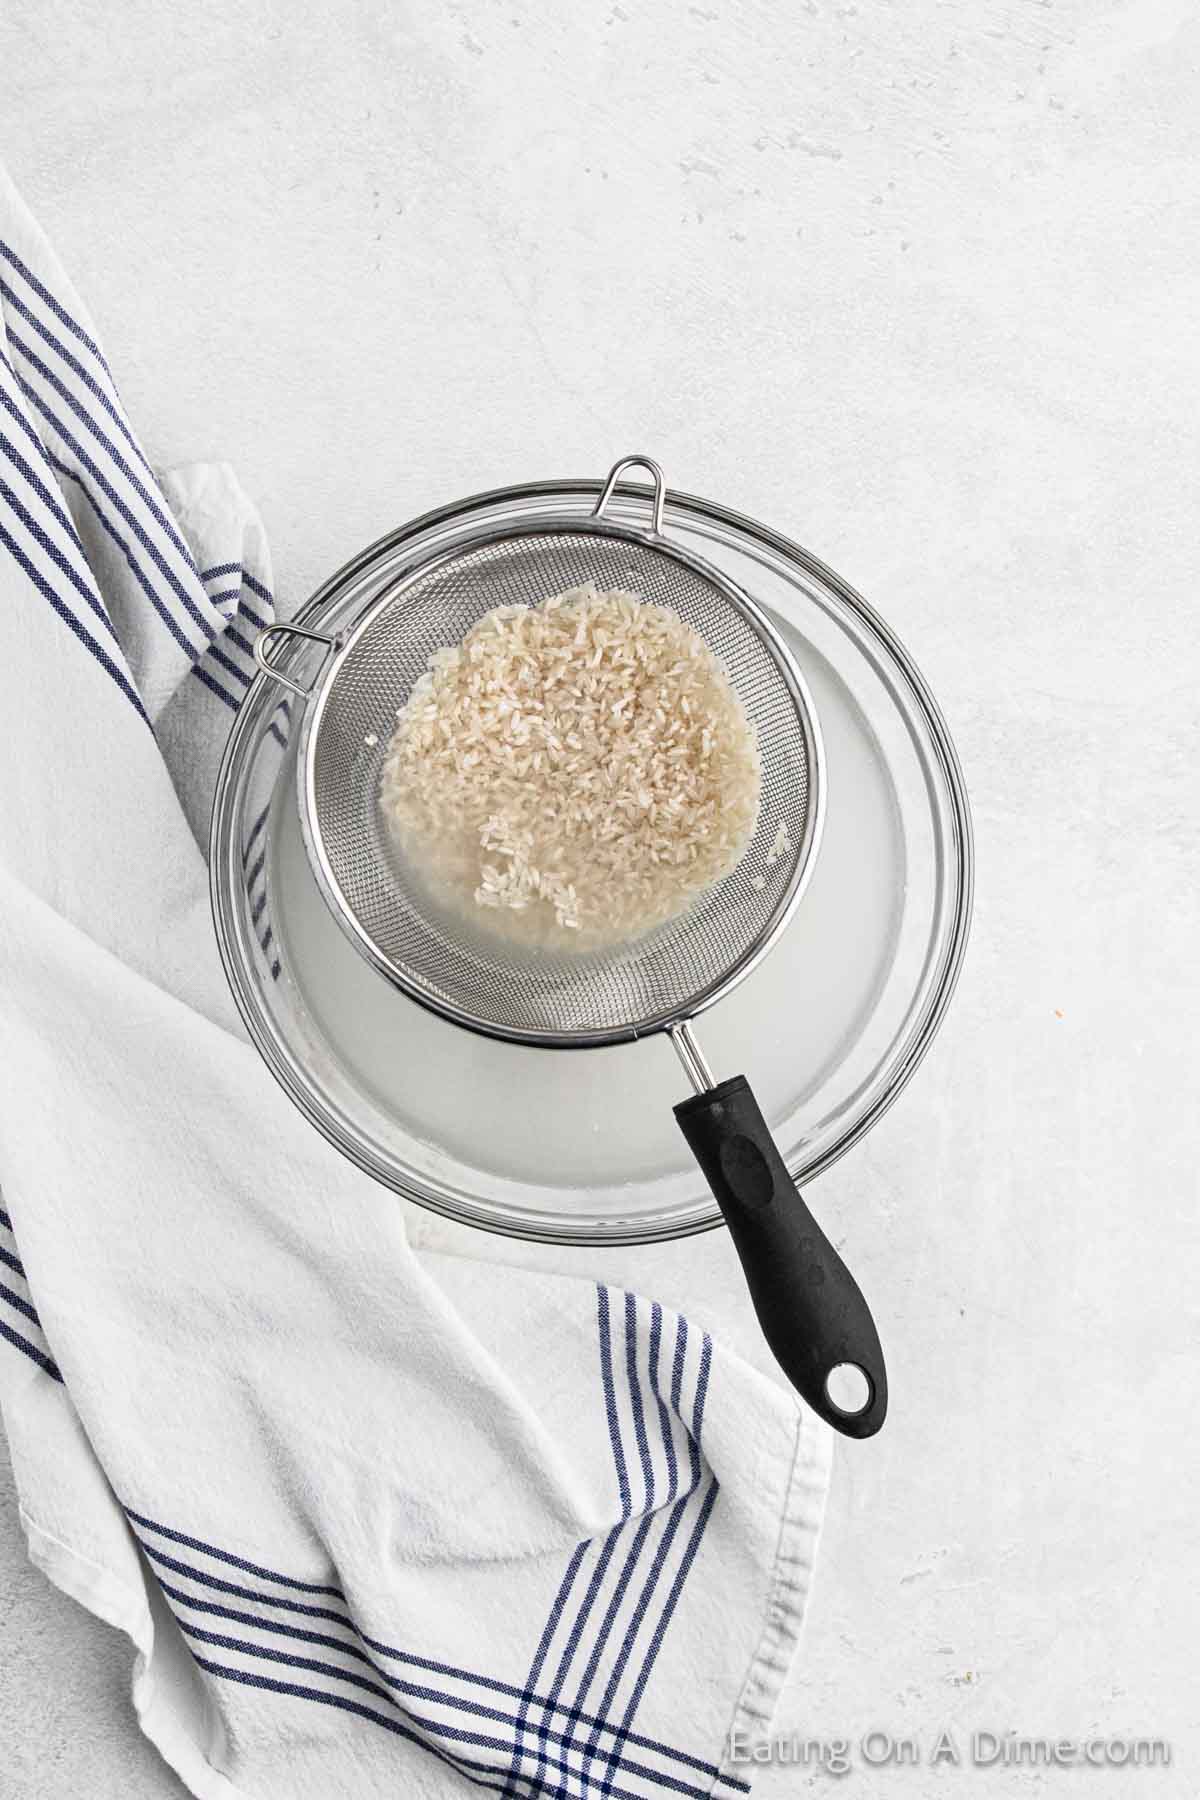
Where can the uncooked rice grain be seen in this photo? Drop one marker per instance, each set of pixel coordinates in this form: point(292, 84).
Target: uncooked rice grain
point(576, 771)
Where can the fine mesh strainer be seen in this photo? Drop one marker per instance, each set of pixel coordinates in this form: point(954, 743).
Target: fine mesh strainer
point(811, 1310)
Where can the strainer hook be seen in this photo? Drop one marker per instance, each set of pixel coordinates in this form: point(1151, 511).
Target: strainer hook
point(654, 470)
point(268, 635)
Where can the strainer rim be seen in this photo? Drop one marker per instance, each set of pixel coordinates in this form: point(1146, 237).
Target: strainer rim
point(317, 699)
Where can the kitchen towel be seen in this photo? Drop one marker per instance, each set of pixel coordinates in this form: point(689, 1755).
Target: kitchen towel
point(376, 1522)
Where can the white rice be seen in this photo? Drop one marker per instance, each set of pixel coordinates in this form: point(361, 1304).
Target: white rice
point(577, 771)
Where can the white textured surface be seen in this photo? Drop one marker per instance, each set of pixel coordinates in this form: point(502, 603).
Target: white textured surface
point(919, 285)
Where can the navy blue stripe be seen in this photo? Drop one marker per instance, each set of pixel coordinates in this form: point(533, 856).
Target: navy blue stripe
point(85, 637)
point(257, 908)
point(228, 594)
point(610, 1400)
point(698, 1406)
point(89, 381)
point(236, 1562)
point(664, 1417)
point(281, 1656)
point(464, 1765)
point(553, 1704)
point(302, 1633)
point(22, 1306)
point(160, 1557)
point(681, 1334)
point(59, 311)
point(5, 1220)
point(416, 1690)
point(636, 1547)
point(143, 580)
point(467, 1675)
point(436, 1727)
point(256, 587)
point(643, 1603)
point(276, 966)
point(227, 663)
point(265, 939)
point(110, 493)
point(256, 871)
point(256, 619)
point(344, 1704)
point(314, 1667)
point(49, 548)
point(455, 1733)
point(30, 1350)
point(216, 1583)
point(635, 1396)
point(278, 736)
point(606, 1552)
point(202, 675)
point(660, 1630)
point(639, 1611)
point(52, 499)
point(18, 412)
point(428, 1664)
point(668, 1537)
point(149, 496)
point(323, 1641)
point(14, 1262)
point(547, 1703)
point(235, 637)
point(606, 1624)
point(254, 831)
point(547, 1637)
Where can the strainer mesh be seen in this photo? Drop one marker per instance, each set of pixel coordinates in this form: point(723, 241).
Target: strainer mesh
point(442, 958)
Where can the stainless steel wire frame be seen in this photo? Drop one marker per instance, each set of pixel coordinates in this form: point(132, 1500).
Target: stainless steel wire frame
point(564, 1000)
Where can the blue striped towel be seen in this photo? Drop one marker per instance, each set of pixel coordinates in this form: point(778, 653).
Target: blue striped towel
point(376, 1523)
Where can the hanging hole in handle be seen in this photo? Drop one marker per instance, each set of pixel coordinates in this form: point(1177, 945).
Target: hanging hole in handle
point(660, 487)
point(849, 1389)
point(267, 637)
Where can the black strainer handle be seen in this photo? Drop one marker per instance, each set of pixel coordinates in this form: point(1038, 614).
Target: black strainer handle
point(809, 1305)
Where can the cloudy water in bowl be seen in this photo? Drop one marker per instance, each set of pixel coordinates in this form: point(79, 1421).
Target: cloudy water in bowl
point(569, 1121)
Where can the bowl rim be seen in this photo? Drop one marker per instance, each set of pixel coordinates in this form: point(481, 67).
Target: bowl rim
point(688, 507)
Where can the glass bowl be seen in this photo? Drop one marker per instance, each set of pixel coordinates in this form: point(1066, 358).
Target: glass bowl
point(581, 1146)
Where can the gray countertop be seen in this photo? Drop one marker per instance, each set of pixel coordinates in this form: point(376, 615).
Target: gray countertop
point(918, 285)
